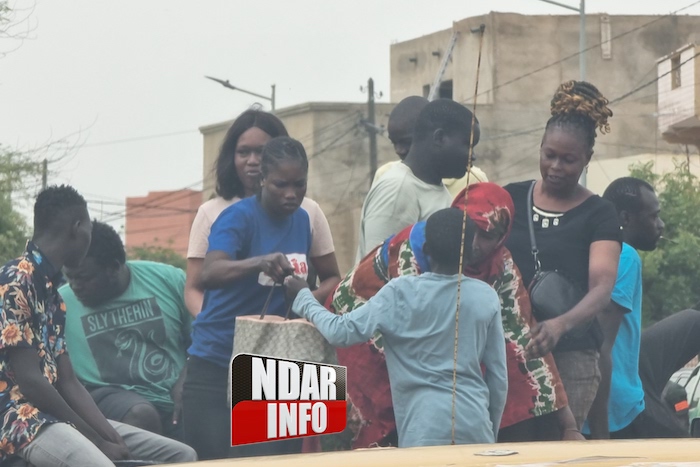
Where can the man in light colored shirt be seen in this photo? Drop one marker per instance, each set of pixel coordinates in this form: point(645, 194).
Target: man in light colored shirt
point(412, 190)
point(402, 121)
point(417, 317)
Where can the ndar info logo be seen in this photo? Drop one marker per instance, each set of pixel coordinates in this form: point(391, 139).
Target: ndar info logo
point(274, 399)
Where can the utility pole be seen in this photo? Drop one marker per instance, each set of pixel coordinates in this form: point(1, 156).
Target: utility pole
point(372, 132)
point(581, 10)
point(44, 174)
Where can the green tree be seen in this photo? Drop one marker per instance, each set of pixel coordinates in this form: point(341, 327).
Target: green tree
point(19, 176)
point(21, 170)
point(158, 254)
point(670, 273)
point(13, 230)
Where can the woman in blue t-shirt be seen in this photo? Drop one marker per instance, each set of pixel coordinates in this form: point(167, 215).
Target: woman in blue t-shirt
point(253, 245)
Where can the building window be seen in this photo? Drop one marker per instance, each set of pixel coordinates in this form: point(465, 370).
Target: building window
point(605, 38)
point(445, 91)
point(676, 71)
point(426, 90)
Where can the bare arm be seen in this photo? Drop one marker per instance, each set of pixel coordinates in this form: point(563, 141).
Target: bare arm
point(602, 272)
point(77, 408)
point(567, 425)
point(194, 292)
point(496, 371)
point(609, 321)
point(328, 274)
point(219, 270)
point(79, 399)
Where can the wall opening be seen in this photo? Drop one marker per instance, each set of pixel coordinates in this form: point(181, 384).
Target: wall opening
point(676, 71)
point(445, 91)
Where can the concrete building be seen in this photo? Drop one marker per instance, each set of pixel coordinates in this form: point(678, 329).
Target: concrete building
point(678, 75)
point(338, 150)
point(524, 60)
point(678, 96)
point(161, 218)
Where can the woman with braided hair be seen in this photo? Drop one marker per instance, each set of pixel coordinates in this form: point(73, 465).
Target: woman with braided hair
point(577, 233)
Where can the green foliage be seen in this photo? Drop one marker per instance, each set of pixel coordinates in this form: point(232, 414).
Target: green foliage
point(670, 273)
point(4, 12)
point(17, 171)
point(13, 231)
point(158, 254)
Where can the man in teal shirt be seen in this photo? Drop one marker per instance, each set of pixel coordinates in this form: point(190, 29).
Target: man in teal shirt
point(128, 329)
point(636, 365)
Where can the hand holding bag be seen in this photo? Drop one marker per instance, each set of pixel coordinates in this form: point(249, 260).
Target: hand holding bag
point(551, 293)
point(281, 337)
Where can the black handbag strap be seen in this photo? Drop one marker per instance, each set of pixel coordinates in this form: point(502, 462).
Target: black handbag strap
point(531, 227)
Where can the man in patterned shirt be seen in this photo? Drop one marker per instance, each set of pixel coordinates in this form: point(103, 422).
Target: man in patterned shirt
point(47, 417)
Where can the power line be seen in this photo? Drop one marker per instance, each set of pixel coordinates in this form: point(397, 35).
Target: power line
point(149, 204)
point(574, 55)
point(614, 101)
point(138, 138)
point(649, 83)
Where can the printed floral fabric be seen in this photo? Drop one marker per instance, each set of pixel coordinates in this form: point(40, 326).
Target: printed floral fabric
point(32, 316)
point(534, 386)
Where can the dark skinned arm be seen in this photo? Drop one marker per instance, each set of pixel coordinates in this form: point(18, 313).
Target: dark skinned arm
point(567, 425)
point(602, 273)
point(194, 292)
point(79, 399)
point(26, 367)
point(328, 275)
point(609, 321)
point(219, 270)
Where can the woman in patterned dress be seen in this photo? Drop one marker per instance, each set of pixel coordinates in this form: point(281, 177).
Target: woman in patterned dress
point(537, 407)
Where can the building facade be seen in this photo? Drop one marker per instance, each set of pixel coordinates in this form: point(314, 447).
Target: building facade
point(161, 218)
point(525, 58)
point(337, 146)
point(678, 96)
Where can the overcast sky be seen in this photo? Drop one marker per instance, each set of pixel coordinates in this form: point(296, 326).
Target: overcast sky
point(125, 70)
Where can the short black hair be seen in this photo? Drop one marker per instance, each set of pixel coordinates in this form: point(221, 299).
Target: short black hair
point(443, 235)
point(625, 194)
point(106, 246)
point(407, 111)
point(282, 148)
point(52, 204)
point(228, 184)
point(447, 115)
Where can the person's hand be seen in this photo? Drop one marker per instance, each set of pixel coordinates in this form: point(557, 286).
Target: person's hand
point(277, 266)
point(292, 286)
point(113, 437)
point(114, 451)
point(543, 338)
point(572, 434)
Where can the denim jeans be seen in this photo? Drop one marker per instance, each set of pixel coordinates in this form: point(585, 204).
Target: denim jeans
point(61, 445)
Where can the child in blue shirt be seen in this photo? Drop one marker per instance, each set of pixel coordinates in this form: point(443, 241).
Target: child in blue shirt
point(417, 319)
